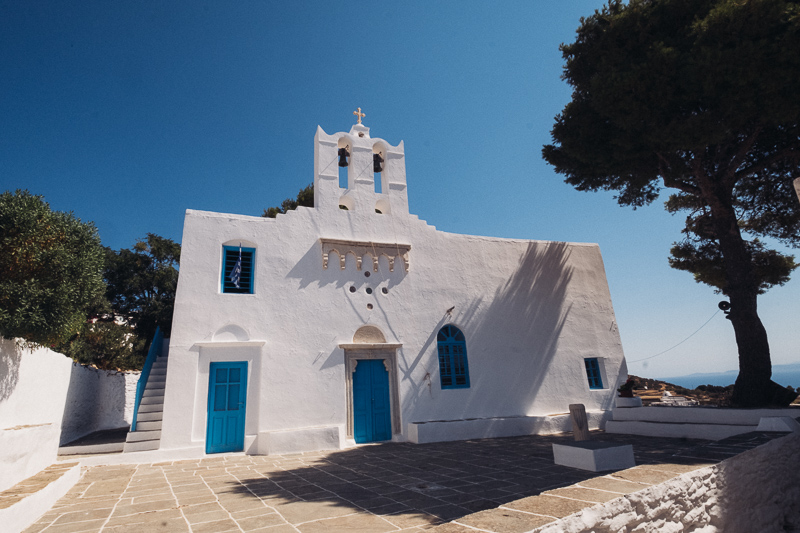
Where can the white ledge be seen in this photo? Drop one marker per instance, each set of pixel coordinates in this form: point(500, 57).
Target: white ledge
point(233, 344)
point(370, 346)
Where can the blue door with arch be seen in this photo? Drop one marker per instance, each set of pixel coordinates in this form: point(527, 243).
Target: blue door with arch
point(227, 396)
point(372, 412)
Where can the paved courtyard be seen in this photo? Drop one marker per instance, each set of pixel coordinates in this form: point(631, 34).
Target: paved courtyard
point(373, 488)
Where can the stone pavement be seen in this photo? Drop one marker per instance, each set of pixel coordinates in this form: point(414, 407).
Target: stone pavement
point(372, 488)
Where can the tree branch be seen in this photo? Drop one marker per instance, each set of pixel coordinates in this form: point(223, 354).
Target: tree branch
point(663, 165)
point(789, 153)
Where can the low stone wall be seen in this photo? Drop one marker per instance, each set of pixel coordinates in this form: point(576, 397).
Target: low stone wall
point(758, 490)
point(491, 428)
point(46, 400)
point(97, 399)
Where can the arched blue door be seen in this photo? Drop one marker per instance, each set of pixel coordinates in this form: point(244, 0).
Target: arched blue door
point(227, 395)
point(372, 417)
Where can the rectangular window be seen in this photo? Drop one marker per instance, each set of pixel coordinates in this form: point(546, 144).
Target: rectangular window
point(237, 269)
point(593, 373)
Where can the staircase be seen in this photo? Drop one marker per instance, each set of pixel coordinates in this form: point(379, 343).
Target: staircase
point(145, 431)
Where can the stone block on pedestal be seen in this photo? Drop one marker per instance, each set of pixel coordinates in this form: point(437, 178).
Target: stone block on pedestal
point(594, 456)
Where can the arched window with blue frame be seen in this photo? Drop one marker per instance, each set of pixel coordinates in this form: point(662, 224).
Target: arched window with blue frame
point(453, 367)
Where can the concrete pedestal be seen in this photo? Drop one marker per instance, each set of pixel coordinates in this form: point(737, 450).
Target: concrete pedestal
point(594, 456)
point(628, 402)
point(778, 423)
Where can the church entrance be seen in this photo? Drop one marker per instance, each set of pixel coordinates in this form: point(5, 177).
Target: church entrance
point(227, 394)
point(372, 417)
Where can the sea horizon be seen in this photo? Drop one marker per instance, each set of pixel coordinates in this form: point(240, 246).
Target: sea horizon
point(786, 375)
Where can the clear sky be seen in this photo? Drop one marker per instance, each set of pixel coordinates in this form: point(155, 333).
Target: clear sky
point(128, 113)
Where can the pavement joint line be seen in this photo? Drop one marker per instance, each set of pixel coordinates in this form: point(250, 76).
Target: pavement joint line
point(526, 512)
point(470, 527)
point(177, 503)
point(114, 508)
point(262, 502)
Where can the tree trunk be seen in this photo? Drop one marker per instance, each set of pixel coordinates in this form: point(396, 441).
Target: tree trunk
point(753, 387)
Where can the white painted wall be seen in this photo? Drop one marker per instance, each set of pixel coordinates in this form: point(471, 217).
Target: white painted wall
point(47, 400)
point(531, 311)
point(97, 399)
point(758, 490)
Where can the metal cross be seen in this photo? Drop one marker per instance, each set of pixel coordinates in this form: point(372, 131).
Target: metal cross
point(359, 114)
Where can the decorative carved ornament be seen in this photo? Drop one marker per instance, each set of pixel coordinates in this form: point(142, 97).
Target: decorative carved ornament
point(362, 248)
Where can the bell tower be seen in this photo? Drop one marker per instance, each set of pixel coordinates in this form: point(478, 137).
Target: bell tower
point(361, 158)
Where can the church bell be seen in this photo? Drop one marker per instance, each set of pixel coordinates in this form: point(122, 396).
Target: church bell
point(343, 155)
point(377, 161)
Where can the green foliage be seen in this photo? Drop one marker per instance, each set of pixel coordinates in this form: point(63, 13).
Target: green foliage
point(704, 260)
point(305, 198)
point(51, 268)
point(107, 345)
point(698, 96)
point(142, 283)
point(140, 296)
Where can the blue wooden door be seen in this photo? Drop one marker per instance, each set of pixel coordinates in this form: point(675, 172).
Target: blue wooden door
point(227, 395)
point(372, 414)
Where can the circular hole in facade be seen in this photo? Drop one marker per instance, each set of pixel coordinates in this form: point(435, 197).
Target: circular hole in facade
point(369, 290)
point(352, 288)
point(385, 290)
point(369, 306)
point(367, 274)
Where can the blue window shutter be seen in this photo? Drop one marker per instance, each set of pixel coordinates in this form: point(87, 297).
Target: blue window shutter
point(593, 373)
point(453, 367)
point(230, 256)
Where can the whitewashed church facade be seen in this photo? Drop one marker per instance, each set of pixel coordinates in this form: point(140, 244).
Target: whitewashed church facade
point(355, 321)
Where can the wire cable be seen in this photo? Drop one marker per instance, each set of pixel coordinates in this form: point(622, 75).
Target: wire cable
point(684, 340)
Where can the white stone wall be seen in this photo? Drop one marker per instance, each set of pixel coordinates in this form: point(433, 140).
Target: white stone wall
point(757, 491)
point(531, 311)
point(47, 400)
point(97, 399)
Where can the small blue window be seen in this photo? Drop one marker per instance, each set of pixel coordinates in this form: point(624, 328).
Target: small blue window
point(453, 369)
point(593, 373)
point(237, 269)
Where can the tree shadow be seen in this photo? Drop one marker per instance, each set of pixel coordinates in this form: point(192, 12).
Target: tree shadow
point(506, 373)
point(10, 359)
point(426, 483)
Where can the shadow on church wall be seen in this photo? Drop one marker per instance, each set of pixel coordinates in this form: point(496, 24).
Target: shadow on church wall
point(532, 305)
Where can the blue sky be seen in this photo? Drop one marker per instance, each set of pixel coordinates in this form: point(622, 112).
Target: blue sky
point(128, 113)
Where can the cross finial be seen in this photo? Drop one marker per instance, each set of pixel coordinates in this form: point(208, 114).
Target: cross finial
point(359, 114)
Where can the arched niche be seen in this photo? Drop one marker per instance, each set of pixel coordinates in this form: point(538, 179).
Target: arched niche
point(230, 333)
point(236, 242)
point(348, 202)
point(383, 207)
point(369, 335)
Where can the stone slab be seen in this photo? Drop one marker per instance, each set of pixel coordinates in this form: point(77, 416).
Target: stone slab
point(778, 423)
point(594, 456)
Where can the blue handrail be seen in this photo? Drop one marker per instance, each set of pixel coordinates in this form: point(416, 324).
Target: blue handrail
point(155, 351)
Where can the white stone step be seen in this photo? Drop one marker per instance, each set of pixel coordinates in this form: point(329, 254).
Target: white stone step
point(150, 399)
point(151, 392)
point(156, 407)
point(157, 378)
point(147, 425)
point(149, 416)
point(141, 446)
point(138, 436)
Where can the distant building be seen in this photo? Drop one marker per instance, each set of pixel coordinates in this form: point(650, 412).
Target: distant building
point(354, 321)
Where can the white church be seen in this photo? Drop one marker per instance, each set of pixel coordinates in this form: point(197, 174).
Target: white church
point(354, 321)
